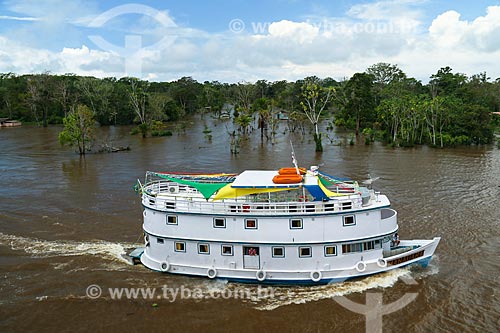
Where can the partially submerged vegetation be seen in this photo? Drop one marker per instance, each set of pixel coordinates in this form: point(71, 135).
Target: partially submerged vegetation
point(380, 103)
point(79, 129)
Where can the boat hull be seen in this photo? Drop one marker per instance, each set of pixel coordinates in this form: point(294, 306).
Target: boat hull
point(420, 254)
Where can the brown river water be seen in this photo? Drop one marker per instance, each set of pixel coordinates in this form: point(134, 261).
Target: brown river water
point(66, 220)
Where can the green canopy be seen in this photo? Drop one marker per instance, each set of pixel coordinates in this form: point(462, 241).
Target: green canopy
point(206, 189)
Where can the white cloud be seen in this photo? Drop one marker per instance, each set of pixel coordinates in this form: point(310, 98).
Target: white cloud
point(300, 32)
point(384, 31)
point(386, 10)
point(447, 29)
point(18, 59)
point(18, 18)
point(482, 34)
point(52, 10)
point(21, 59)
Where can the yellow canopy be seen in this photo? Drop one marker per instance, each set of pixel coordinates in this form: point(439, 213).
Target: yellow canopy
point(330, 193)
point(229, 192)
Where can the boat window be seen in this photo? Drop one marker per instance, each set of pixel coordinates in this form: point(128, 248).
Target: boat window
point(251, 251)
point(250, 223)
point(203, 248)
point(310, 208)
point(171, 219)
point(159, 240)
point(169, 205)
point(227, 250)
point(371, 245)
point(350, 248)
point(296, 224)
point(349, 220)
point(219, 222)
point(278, 252)
point(305, 251)
point(346, 205)
point(329, 207)
point(180, 247)
point(368, 245)
point(330, 250)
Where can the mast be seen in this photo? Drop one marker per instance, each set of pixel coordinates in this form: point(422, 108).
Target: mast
point(294, 161)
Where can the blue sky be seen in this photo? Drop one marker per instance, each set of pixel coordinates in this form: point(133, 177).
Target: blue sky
point(238, 40)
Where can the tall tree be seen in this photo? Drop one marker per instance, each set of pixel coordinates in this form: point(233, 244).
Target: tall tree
point(244, 92)
point(187, 91)
point(360, 101)
point(40, 96)
point(65, 92)
point(97, 94)
point(212, 98)
point(315, 99)
point(444, 82)
point(384, 73)
point(262, 106)
point(79, 126)
point(138, 95)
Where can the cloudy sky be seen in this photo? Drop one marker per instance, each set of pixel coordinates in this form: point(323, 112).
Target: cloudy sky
point(238, 40)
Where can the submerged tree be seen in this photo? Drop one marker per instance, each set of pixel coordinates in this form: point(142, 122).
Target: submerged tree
point(78, 129)
point(315, 99)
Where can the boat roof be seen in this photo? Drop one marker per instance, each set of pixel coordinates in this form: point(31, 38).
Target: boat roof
point(259, 179)
point(223, 186)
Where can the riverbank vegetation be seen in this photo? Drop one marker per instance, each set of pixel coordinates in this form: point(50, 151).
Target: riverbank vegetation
point(381, 103)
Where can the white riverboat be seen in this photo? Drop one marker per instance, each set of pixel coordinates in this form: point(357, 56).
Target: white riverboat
point(286, 227)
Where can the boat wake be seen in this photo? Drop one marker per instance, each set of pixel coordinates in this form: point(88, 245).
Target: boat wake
point(38, 248)
point(272, 297)
point(302, 294)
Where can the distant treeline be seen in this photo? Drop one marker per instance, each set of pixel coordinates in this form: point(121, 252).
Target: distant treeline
point(382, 101)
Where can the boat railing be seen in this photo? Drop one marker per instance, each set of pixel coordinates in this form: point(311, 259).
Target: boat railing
point(160, 196)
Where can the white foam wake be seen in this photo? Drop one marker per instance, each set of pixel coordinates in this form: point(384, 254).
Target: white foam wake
point(276, 297)
point(299, 295)
point(63, 248)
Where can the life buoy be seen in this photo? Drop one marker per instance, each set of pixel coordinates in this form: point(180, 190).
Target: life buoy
point(287, 179)
point(260, 275)
point(360, 266)
point(316, 276)
point(164, 266)
point(382, 262)
point(291, 171)
point(211, 273)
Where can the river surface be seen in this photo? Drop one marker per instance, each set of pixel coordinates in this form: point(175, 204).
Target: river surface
point(66, 220)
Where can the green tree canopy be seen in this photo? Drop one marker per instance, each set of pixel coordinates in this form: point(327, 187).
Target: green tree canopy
point(79, 126)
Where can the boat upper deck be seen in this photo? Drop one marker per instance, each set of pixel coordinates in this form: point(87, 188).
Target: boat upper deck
point(260, 179)
point(254, 192)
